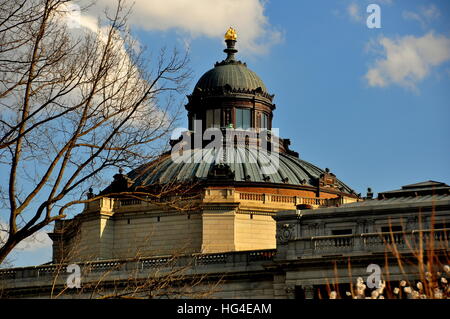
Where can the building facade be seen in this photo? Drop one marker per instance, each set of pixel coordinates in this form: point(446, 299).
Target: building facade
point(248, 215)
point(229, 194)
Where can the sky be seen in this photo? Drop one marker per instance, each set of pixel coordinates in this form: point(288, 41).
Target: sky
point(371, 104)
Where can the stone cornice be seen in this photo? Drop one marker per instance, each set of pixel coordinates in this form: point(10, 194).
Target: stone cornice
point(228, 92)
point(399, 208)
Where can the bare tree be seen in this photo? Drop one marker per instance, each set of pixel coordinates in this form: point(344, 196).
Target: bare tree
point(74, 103)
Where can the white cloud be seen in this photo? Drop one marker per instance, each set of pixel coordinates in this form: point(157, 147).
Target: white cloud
point(210, 18)
point(431, 12)
point(410, 15)
point(424, 16)
point(354, 12)
point(408, 60)
point(38, 240)
point(79, 25)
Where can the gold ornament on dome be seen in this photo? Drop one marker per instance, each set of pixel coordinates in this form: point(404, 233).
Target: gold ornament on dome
point(231, 34)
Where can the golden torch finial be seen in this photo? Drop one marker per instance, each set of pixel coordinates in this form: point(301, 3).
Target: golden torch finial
point(231, 34)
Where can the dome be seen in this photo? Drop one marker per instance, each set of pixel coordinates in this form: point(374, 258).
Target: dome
point(232, 73)
point(239, 165)
point(236, 75)
point(247, 166)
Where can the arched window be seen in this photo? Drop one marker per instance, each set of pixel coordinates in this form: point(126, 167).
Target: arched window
point(243, 118)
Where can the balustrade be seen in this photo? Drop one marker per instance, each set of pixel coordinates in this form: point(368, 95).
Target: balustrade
point(143, 263)
point(376, 241)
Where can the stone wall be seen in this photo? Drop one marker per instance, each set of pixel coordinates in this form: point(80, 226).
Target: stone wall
point(223, 275)
point(254, 231)
point(223, 220)
point(111, 237)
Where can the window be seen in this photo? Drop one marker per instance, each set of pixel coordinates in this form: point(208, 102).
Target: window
point(439, 226)
point(243, 118)
point(388, 229)
point(193, 118)
point(338, 232)
point(213, 118)
point(264, 121)
point(227, 118)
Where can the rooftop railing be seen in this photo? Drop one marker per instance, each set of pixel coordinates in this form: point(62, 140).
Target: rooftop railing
point(161, 262)
point(286, 199)
point(374, 242)
point(263, 198)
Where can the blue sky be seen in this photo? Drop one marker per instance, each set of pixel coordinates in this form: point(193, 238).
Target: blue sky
point(369, 136)
point(370, 104)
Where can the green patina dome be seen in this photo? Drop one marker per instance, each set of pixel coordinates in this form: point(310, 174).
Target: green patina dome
point(230, 74)
point(245, 163)
point(236, 75)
